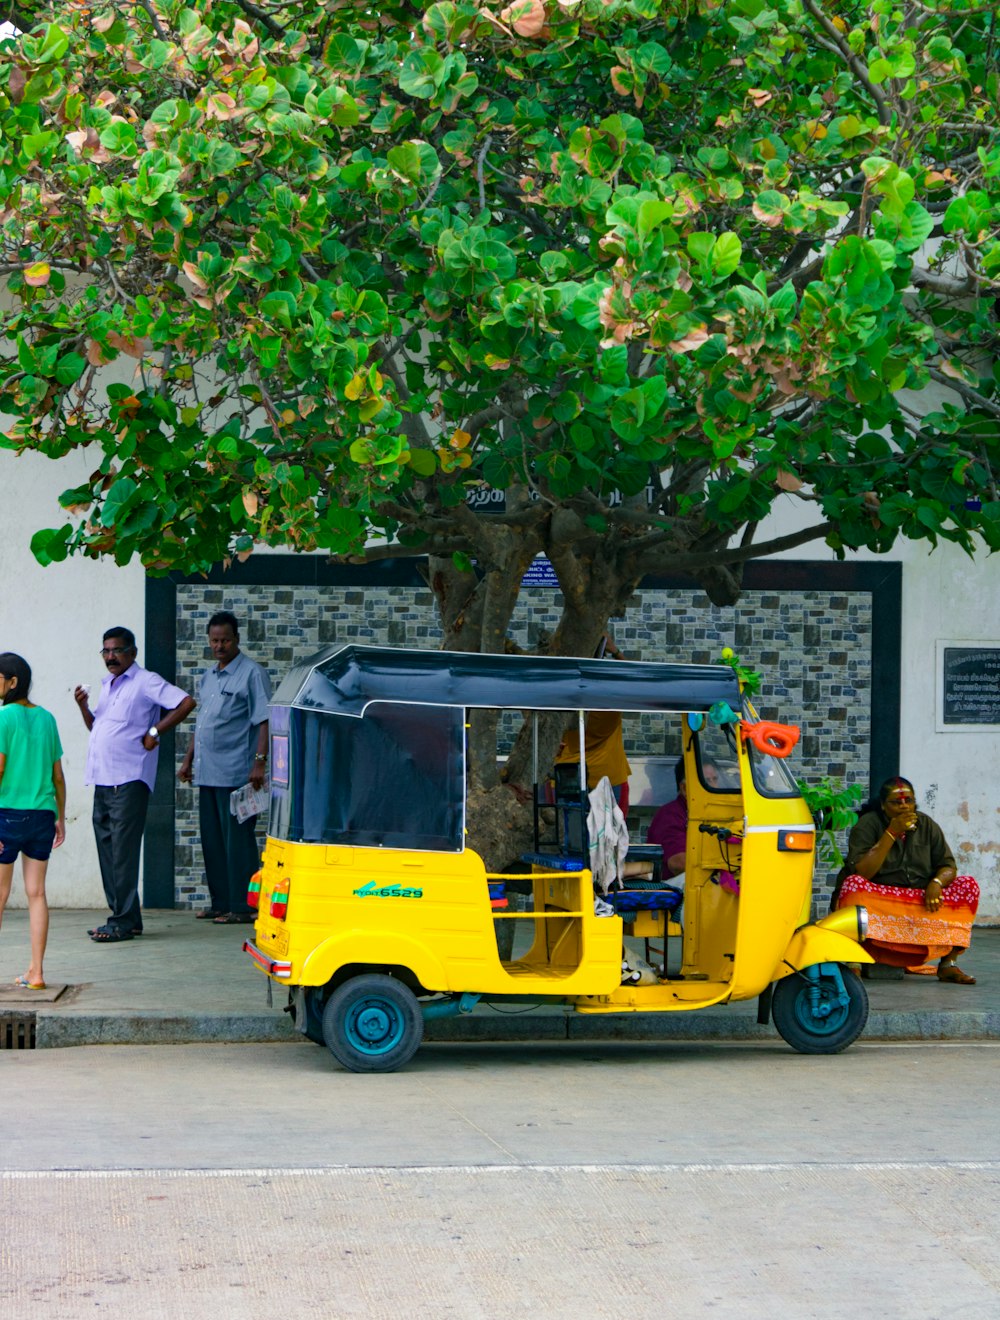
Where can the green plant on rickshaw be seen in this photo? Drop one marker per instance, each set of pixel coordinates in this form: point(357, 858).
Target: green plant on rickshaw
point(834, 808)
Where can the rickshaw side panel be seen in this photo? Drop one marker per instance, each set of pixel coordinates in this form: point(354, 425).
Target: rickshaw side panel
point(773, 885)
point(358, 903)
point(373, 948)
point(429, 913)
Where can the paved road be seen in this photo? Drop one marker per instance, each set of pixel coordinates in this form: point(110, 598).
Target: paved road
point(494, 1181)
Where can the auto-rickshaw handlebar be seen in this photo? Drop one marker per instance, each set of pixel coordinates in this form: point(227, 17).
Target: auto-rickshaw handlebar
point(720, 831)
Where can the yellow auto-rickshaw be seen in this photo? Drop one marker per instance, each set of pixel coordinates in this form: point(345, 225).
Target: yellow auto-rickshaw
point(377, 916)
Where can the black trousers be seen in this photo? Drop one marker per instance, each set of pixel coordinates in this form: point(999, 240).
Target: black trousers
point(119, 820)
point(230, 851)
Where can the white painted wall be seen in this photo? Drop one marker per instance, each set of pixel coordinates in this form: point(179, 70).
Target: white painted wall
point(55, 617)
point(946, 597)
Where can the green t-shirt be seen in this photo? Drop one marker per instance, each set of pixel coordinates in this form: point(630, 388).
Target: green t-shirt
point(29, 740)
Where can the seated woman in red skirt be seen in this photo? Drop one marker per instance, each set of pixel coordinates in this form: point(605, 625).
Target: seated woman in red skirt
point(900, 868)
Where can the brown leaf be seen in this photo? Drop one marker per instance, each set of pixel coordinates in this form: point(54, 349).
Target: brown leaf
point(16, 82)
point(38, 274)
point(787, 480)
point(95, 354)
point(220, 105)
point(126, 344)
point(692, 340)
point(194, 274)
point(251, 504)
point(526, 17)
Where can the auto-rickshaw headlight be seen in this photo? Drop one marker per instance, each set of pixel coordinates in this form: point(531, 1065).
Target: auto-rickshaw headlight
point(862, 923)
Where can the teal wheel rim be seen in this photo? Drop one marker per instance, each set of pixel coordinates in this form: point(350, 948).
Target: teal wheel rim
point(821, 1023)
point(374, 1026)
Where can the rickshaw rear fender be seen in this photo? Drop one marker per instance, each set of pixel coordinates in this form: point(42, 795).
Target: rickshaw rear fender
point(812, 944)
point(381, 950)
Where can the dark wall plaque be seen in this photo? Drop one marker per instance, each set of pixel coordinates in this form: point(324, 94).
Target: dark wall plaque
point(971, 680)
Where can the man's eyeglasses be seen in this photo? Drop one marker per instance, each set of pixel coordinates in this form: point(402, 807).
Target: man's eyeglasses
point(114, 650)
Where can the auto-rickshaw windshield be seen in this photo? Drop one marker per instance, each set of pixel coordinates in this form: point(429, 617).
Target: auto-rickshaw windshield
point(718, 764)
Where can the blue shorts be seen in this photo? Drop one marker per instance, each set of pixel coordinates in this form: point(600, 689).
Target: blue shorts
point(28, 832)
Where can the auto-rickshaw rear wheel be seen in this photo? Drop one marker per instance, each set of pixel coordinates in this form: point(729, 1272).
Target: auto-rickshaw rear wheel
point(373, 1023)
point(809, 1012)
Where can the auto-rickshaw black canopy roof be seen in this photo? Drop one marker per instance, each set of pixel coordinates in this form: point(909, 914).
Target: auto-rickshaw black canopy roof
point(343, 680)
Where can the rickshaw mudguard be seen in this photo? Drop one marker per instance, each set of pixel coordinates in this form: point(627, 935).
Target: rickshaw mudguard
point(812, 944)
point(372, 948)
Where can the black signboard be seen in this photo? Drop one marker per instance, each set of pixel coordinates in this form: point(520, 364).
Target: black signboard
point(971, 677)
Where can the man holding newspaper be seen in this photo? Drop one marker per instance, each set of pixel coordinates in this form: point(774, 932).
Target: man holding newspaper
point(228, 752)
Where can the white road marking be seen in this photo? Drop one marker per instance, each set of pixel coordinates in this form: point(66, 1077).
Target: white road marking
point(436, 1170)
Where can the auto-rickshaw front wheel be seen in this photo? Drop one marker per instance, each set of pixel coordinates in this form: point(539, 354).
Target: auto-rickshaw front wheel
point(820, 1010)
point(373, 1023)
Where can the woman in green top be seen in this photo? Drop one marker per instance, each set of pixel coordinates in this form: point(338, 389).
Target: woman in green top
point(32, 802)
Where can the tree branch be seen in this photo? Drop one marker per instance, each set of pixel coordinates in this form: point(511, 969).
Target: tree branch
point(966, 391)
point(851, 60)
point(151, 13)
point(694, 559)
point(269, 25)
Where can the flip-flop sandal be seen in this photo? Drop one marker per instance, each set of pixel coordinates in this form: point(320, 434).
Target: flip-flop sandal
point(209, 914)
point(102, 930)
point(112, 936)
point(952, 972)
point(23, 983)
point(235, 919)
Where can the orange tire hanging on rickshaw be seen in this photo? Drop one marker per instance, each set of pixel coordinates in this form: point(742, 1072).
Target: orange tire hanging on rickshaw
point(769, 738)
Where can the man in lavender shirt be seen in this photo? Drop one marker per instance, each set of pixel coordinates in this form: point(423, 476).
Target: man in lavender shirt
point(135, 707)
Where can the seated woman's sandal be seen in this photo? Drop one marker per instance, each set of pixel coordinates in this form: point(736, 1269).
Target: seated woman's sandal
point(950, 971)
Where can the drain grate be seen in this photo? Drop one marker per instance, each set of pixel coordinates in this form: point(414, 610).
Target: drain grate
point(17, 1031)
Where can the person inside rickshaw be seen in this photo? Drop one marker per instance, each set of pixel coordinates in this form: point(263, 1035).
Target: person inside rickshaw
point(603, 742)
point(668, 828)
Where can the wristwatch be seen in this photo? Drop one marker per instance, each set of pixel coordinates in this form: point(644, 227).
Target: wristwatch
point(153, 732)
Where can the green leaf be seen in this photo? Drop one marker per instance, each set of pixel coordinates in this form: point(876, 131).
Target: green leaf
point(651, 215)
point(117, 497)
point(414, 162)
point(50, 546)
point(423, 462)
point(700, 246)
point(279, 306)
point(54, 45)
point(726, 254)
point(70, 368)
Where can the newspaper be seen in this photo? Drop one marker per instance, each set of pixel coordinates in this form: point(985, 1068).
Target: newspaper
point(249, 801)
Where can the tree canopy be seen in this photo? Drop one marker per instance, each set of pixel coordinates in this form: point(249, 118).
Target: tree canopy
point(325, 274)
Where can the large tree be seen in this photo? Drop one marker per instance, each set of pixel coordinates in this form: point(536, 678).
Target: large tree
point(363, 260)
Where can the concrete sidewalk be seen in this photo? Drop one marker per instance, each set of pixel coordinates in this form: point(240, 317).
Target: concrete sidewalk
point(189, 981)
